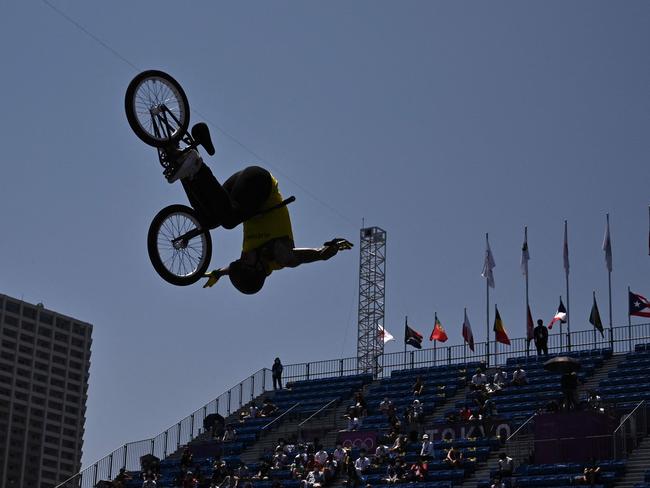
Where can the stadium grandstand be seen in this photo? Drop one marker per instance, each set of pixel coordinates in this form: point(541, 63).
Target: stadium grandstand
point(423, 418)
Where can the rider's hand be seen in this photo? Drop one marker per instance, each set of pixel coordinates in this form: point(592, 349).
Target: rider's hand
point(212, 277)
point(340, 244)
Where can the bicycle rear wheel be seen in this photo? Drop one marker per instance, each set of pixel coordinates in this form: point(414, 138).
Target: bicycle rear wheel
point(177, 262)
point(157, 108)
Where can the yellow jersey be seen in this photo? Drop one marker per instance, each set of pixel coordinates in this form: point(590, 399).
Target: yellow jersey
point(271, 225)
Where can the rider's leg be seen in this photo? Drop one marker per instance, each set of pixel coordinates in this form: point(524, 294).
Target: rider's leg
point(248, 190)
point(209, 198)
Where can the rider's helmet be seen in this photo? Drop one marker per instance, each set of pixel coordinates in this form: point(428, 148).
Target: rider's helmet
point(247, 279)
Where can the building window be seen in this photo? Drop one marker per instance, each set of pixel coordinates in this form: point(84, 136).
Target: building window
point(29, 326)
point(9, 320)
point(12, 307)
point(44, 331)
point(11, 333)
point(46, 318)
point(29, 312)
point(61, 349)
point(44, 344)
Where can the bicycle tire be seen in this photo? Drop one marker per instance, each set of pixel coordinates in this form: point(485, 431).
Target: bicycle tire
point(180, 267)
point(144, 97)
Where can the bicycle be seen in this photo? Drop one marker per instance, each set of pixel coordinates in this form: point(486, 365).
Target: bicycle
point(157, 110)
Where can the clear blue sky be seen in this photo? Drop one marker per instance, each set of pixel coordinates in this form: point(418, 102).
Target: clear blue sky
point(437, 121)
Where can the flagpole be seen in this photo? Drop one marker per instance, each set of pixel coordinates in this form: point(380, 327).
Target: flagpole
point(561, 333)
point(568, 314)
point(406, 322)
point(609, 282)
point(496, 343)
point(527, 304)
point(464, 341)
point(487, 313)
point(629, 321)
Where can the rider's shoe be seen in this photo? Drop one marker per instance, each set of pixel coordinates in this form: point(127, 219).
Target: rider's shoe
point(186, 168)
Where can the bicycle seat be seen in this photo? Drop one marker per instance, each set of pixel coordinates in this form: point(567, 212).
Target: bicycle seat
point(201, 133)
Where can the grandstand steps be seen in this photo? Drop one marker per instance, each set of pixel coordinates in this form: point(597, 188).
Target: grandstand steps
point(448, 404)
point(482, 471)
point(600, 374)
point(268, 440)
point(637, 464)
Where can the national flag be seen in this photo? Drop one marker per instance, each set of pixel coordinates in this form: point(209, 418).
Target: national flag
point(499, 330)
point(565, 251)
point(488, 265)
point(559, 315)
point(594, 317)
point(438, 333)
point(384, 335)
point(412, 337)
point(467, 332)
point(607, 247)
point(525, 255)
point(530, 327)
point(639, 305)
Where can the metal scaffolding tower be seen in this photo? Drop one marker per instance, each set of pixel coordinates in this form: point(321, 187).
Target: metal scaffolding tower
point(372, 280)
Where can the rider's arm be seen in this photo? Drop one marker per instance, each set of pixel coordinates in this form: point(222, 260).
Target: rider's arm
point(288, 256)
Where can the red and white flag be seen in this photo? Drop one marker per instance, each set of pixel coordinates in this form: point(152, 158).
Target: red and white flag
point(559, 315)
point(467, 332)
point(384, 334)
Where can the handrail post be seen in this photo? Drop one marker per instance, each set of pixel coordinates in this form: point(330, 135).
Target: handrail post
point(126, 448)
point(229, 400)
point(178, 437)
point(95, 475)
point(191, 426)
point(241, 394)
point(448, 354)
point(110, 466)
point(412, 359)
point(216, 405)
point(165, 446)
point(252, 387)
point(340, 367)
point(307, 371)
point(152, 447)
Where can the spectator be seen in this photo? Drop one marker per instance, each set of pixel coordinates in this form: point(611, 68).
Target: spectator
point(479, 380)
point(540, 334)
point(230, 434)
point(426, 450)
point(418, 411)
point(149, 483)
point(314, 479)
point(339, 455)
point(349, 468)
point(264, 471)
point(569, 385)
point(594, 401)
point(268, 408)
point(465, 413)
point(353, 420)
point(454, 457)
point(501, 378)
point(276, 373)
point(361, 465)
point(253, 411)
point(552, 406)
point(506, 466)
point(381, 454)
point(329, 470)
point(189, 481)
point(321, 456)
point(519, 377)
point(496, 483)
point(395, 472)
point(219, 472)
point(280, 458)
point(398, 449)
point(120, 480)
point(590, 473)
point(386, 406)
point(186, 459)
point(419, 470)
point(360, 404)
point(418, 387)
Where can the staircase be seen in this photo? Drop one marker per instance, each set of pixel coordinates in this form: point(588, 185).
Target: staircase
point(600, 374)
point(637, 464)
point(482, 472)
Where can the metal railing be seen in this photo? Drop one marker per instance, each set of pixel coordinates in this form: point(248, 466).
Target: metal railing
point(287, 411)
point(620, 339)
point(629, 433)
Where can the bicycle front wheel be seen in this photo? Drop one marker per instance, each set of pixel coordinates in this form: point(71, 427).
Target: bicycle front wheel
point(182, 261)
point(157, 108)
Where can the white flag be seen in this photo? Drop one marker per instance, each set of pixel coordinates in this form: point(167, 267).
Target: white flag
point(488, 264)
point(467, 332)
point(384, 334)
point(607, 247)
